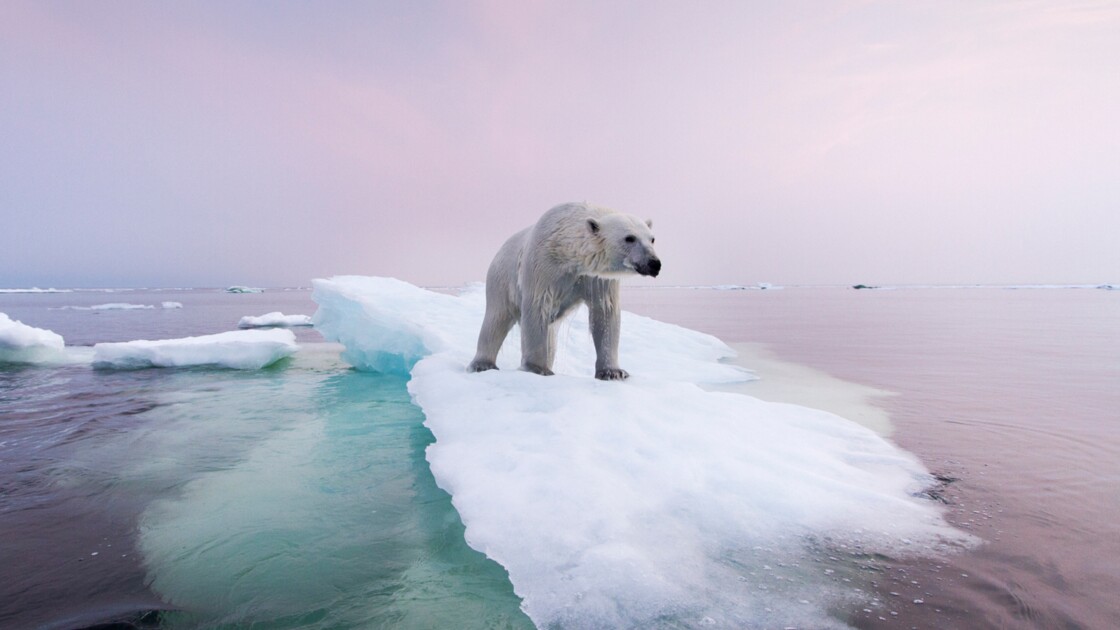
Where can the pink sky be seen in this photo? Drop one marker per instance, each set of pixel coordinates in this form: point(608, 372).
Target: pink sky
point(207, 144)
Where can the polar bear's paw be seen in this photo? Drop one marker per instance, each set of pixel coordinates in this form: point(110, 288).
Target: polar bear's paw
point(612, 374)
point(481, 366)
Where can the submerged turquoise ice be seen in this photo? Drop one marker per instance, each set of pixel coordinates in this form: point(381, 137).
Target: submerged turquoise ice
point(299, 497)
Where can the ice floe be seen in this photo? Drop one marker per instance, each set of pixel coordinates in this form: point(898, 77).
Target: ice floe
point(644, 502)
point(274, 319)
point(243, 289)
point(240, 349)
point(20, 343)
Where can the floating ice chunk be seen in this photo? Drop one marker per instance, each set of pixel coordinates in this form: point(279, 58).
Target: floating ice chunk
point(242, 349)
point(241, 289)
point(172, 305)
point(636, 503)
point(20, 343)
point(274, 319)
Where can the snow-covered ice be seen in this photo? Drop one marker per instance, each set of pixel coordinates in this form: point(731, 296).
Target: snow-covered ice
point(274, 319)
point(240, 349)
point(170, 305)
point(20, 343)
point(626, 504)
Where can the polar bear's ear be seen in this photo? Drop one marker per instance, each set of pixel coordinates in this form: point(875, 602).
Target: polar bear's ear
point(649, 223)
point(594, 225)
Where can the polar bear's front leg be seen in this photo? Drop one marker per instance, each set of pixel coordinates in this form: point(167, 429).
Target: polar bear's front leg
point(537, 313)
point(606, 324)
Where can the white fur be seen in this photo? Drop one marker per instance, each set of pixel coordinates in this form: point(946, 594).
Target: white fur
point(574, 253)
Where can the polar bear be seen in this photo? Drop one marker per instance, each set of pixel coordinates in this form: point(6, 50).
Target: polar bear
point(574, 253)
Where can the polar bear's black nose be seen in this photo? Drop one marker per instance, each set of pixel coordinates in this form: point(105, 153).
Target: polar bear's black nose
point(654, 267)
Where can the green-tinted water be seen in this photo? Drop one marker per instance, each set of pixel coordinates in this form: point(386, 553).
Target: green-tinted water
point(327, 515)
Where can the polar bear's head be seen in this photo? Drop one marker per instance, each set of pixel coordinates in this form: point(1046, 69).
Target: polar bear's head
point(627, 243)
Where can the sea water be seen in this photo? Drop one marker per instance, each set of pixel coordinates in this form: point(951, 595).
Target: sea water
point(299, 495)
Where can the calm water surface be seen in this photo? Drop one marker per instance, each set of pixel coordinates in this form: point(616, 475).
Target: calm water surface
point(269, 497)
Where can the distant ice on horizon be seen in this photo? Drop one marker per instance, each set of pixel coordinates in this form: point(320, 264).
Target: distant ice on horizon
point(761, 286)
point(243, 289)
point(644, 502)
point(119, 306)
point(36, 290)
point(895, 287)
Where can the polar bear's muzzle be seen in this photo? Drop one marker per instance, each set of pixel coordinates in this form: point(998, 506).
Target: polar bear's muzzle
point(651, 267)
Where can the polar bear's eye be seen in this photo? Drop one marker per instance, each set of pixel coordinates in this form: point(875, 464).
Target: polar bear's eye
point(630, 239)
point(651, 240)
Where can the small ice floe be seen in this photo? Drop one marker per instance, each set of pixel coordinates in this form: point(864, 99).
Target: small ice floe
point(241, 289)
point(241, 349)
point(20, 343)
point(275, 319)
point(172, 305)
